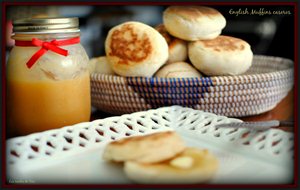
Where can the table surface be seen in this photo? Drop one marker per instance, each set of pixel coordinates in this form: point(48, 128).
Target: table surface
point(284, 111)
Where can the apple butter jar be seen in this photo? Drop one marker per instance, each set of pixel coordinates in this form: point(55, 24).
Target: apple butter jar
point(48, 84)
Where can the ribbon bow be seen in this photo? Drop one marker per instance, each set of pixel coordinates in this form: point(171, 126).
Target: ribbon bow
point(45, 46)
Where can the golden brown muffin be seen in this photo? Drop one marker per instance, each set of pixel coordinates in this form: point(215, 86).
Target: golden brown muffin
point(177, 47)
point(100, 65)
point(191, 166)
point(178, 70)
point(150, 148)
point(223, 55)
point(193, 22)
point(135, 49)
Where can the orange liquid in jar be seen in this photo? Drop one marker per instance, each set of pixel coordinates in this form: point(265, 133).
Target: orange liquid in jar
point(35, 106)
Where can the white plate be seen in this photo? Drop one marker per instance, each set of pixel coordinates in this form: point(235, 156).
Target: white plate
point(73, 154)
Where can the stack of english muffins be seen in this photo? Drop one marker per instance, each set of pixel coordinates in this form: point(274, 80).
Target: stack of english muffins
point(161, 158)
point(188, 44)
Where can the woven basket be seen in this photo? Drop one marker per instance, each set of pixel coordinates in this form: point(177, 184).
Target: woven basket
point(259, 90)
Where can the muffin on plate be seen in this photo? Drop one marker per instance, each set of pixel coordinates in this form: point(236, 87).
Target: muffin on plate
point(191, 166)
point(150, 148)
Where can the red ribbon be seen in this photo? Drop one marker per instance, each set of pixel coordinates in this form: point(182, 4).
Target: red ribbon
point(45, 46)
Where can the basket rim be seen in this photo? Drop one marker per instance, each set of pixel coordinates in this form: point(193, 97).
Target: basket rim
point(205, 80)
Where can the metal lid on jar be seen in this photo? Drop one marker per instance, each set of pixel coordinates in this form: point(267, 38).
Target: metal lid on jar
point(46, 25)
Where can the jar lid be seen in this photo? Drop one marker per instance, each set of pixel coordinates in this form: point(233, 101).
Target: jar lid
point(46, 25)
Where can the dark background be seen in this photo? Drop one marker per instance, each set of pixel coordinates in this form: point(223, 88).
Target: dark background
point(267, 34)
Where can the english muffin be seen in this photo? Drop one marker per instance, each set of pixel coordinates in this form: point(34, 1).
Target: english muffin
point(223, 55)
point(193, 22)
point(135, 49)
point(177, 47)
point(150, 148)
point(191, 166)
point(92, 64)
point(178, 70)
point(100, 65)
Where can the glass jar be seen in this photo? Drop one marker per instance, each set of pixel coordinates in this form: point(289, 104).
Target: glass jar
point(48, 84)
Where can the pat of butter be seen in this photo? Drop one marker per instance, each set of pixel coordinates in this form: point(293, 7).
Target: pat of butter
point(183, 162)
